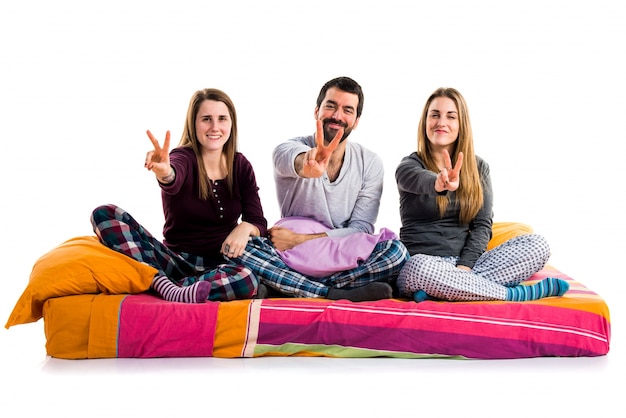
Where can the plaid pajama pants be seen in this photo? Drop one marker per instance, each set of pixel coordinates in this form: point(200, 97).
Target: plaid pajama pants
point(118, 230)
point(507, 264)
point(261, 257)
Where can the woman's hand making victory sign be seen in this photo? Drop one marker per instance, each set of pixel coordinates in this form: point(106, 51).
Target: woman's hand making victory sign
point(449, 178)
point(316, 159)
point(158, 160)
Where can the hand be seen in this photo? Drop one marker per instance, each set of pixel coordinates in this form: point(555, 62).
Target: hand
point(283, 239)
point(316, 159)
point(449, 178)
point(158, 160)
point(236, 241)
point(464, 268)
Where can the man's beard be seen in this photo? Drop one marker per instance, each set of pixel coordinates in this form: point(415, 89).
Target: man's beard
point(329, 134)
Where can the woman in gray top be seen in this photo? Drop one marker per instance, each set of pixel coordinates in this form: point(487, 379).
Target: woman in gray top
point(446, 214)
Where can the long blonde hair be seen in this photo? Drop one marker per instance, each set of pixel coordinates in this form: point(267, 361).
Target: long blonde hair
point(470, 191)
point(189, 138)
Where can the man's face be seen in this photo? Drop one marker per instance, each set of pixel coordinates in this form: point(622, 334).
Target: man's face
point(338, 110)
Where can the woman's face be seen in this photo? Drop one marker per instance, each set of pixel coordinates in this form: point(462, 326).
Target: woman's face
point(213, 124)
point(442, 123)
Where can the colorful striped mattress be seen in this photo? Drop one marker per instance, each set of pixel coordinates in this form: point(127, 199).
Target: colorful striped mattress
point(144, 326)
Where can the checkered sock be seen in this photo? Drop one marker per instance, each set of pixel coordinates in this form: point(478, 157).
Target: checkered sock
point(195, 293)
point(547, 287)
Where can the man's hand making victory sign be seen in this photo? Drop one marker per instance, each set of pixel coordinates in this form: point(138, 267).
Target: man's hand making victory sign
point(316, 159)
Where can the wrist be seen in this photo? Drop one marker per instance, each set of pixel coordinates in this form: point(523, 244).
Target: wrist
point(169, 178)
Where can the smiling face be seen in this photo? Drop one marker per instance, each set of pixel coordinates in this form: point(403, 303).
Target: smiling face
point(338, 110)
point(213, 125)
point(442, 123)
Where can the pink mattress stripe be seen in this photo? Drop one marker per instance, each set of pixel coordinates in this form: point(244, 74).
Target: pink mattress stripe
point(431, 319)
point(420, 342)
point(182, 329)
point(435, 328)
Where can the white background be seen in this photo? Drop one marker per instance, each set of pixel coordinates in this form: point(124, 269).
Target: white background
point(81, 82)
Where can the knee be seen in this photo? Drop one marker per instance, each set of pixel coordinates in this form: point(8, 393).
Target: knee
point(102, 213)
point(415, 265)
point(246, 272)
point(540, 243)
point(398, 252)
point(250, 278)
point(411, 276)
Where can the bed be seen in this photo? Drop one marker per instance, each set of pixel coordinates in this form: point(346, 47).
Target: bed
point(95, 304)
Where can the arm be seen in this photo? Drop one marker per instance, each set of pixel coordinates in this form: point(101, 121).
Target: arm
point(286, 154)
point(285, 239)
point(288, 160)
point(253, 222)
point(251, 208)
point(412, 176)
point(305, 157)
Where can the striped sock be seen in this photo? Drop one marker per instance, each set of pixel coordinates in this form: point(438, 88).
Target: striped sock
point(195, 293)
point(547, 287)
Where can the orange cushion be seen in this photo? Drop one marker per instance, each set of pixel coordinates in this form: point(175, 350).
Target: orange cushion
point(81, 265)
point(504, 231)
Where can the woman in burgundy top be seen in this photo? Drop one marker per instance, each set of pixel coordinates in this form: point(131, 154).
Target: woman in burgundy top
point(211, 206)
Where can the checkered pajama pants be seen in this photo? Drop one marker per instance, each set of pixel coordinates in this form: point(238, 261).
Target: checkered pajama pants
point(118, 230)
point(261, 257)
point(506, 265)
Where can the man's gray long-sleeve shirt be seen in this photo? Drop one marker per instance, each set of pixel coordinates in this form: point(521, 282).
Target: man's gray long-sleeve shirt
point(349, 204)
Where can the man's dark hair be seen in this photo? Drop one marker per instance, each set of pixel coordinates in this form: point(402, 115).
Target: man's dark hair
point(345, 84)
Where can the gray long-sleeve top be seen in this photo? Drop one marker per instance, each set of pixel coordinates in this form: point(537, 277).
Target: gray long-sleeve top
point(349, 204)
point(423, 231)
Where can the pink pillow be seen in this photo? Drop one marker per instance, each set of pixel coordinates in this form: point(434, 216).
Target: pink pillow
point(323, 257)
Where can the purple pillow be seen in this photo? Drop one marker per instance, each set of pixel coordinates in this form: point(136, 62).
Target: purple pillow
point(323, 257)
